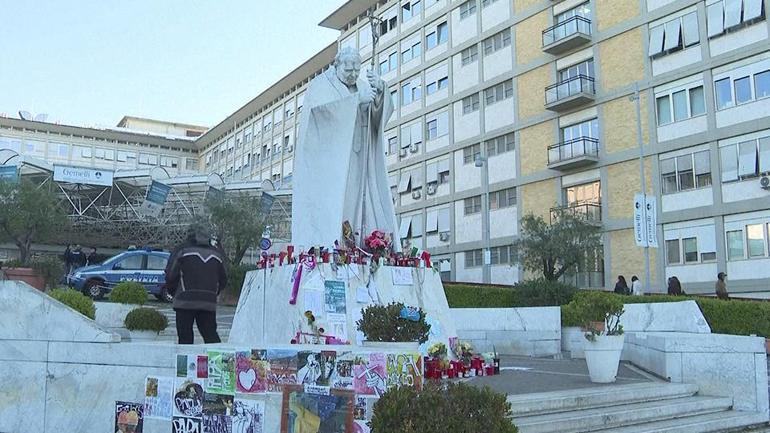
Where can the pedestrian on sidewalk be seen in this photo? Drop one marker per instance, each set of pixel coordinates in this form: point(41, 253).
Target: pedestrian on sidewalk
point(675, 287)
point(721, 287)
point(636, 286)
point(195, 275)
point(621, 287)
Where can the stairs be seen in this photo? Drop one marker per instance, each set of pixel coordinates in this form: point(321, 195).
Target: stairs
point(652, 407)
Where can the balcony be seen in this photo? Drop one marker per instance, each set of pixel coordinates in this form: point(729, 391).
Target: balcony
point(570, 93)
point(567, 35)
point(575, 153)
point(591, 212)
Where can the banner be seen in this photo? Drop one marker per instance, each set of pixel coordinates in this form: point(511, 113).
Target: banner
point(9, 173)
point(156, 197)
point(640, 229)
point(87, 176)
point(651, 221)
point(266, 203)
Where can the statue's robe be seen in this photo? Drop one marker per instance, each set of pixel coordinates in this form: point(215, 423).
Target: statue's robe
point(339, 164)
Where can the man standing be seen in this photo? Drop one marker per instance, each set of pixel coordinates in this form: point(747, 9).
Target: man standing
point(721, 286)
point(195, 275)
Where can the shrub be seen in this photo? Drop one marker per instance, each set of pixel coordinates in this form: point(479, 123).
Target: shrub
point(75, 300)
point(384, 323)
point(543, 293)
point(442, 408)
point(50, 268)
point(570, 315)
point(595, 306)
point(533, 293)
point(129, 292)
point(145, 319)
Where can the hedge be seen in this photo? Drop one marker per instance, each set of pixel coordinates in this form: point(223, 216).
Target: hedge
point(533, 293)
point(75, 300)
point(129, 292)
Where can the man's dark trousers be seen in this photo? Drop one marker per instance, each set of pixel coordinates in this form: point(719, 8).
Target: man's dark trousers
point(206, 321)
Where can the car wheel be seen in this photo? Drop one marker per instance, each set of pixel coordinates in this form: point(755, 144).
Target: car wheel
point(94, 290)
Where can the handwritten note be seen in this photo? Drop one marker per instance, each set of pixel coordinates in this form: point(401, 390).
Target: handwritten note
point(402, 276)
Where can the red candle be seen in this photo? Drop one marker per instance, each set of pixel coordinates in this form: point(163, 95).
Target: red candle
point(489, 370)
point(325, 257)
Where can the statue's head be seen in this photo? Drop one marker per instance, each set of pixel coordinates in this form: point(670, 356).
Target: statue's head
point(347, 64)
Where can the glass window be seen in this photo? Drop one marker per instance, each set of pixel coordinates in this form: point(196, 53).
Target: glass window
point(432, 127)
point(747, 158)
point(156, 263)
point(471, 153)
point(729, 158)
point(471, 103)
point(742, 90)
point(467, 9)
point(680, 105)
point(668, 173)
point(664, 110)
point(762, 84)
point(130, 263)
point(472, 205)
point(469, 55)
point(685, 172)
point(755, 234)
point(764, 155)
point(672, 252)
point(735, 245)
point(723, 93)
point(702, 169)
point(690, 247)
point(697, 101)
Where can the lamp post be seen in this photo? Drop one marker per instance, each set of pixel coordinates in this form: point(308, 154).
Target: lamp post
point(482, 162)
point(640, 142)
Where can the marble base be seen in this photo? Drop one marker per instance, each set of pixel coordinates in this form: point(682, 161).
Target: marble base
point(534, 331)
point(111, 314)
point(664, 317)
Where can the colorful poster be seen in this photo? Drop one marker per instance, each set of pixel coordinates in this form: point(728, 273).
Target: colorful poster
point(309, 367)
point(404, 369)
point(181, 424)
point(217, 404)
point(334, 296)
point(248, 416)
point(221, 378)
point(361, 427)
point(364, 408)
point(251, 370)
point(129, 417)
point(203, 366)
point(306, 412)
point(158, 397)
point(283, 369)
point(191, 366)
point(188, 398)
point(370, 374)
point(215, 423)
point(342, 376)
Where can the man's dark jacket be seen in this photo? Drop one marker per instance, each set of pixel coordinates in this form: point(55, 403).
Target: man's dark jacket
point(195, 275)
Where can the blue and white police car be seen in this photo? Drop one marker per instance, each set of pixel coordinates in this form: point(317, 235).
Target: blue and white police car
point(143, 266)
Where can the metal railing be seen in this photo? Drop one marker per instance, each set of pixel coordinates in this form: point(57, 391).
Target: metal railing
point(590, 211)
point(588, 279)
point(581, 146)
point(576, 24)
point(569, 87)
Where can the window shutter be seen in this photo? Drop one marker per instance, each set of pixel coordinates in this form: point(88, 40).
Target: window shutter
point(403, 230)
point(673, 34)
point(690, 29)
point(752, 9)
point(716, 25)
point(403, 186)
point(656, 40)
point(443, 220)
point(733, 13)
point(431, 221)
point(432, 173)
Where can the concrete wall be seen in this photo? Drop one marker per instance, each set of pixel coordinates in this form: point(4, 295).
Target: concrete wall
point(511, 331)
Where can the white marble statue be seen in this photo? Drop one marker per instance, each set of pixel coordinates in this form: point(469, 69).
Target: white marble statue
point(339, 166)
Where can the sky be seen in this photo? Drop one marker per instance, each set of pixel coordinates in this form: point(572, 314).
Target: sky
point(90, 62)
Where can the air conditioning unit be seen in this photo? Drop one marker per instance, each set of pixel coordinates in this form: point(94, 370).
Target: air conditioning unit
point(414, 148)
point(764, 182)
point(432, 188)
point(402, 152)
point(443, 236)
point(416, 194)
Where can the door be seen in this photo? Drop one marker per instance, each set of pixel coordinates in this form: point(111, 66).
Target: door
point(154, 274)
point(127, 268)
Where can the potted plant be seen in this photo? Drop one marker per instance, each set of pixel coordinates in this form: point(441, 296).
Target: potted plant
point(602, 346)
point(15, 270)
point(393, 326)
point(145, 324)
point(123, 298)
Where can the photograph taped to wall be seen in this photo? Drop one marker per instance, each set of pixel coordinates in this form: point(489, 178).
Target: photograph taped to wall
point(129, 417)
point(251, 371)
point(159, 397)
point(306, 412)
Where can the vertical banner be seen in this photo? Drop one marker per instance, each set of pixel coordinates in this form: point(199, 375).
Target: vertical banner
point(640, 232)
point(651, 221)
point(156, 197)
point(266, 203)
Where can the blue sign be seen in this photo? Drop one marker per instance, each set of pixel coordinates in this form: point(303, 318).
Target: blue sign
point(265, 244)
point(266, 203)
point(9, 173)
point(158, 193)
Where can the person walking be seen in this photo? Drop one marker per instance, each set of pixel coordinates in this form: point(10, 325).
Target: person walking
point(675, 287)
point(636, 286)
point(621, 287)
point(721, 286)
point(92, 258)
point(195, 275)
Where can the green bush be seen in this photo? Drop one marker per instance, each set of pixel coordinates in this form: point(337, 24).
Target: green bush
point(544, 293)
point(442, 408)
point(533, 293)
point(75, 300)
point(50, 268)
point(129, 292)
point(383, 323)
point(145, 319)
point(570, 316)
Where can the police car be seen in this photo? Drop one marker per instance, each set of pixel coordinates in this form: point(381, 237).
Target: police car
point(143, 266)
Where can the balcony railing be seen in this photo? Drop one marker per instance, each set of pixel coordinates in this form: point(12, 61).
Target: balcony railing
point(570, 93)
point(585, 280)
point(580, 151)
point(591, 212)
point(566, 35)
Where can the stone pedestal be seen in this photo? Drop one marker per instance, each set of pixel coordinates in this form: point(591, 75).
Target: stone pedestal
point(265, 317)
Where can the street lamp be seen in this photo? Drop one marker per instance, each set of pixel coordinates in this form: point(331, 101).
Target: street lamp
point(482, 163)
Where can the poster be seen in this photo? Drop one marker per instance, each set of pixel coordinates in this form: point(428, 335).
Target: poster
point(182, 424)
point(221, 378)
point(370, 374)
point(334, 296)
point(251, 370)
point(404, 369)
point(283, 369)
point(248, 416)
point(314, 301)
point(129, 417)
point(188, 398)
point(364, 408)
point(342, 377)
point(158, 397)
point(215, 423)
point(217, 404)
point(337, 325)
point(191, 366)
point(361, 427)
point(307, 412)
point(309, 368)
point(401, 276)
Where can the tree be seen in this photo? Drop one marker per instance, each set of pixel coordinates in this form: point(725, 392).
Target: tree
point(238, 221)
point(28, 214)
point(558, 247)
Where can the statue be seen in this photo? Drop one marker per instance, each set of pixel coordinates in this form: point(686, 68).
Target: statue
point(339, 165)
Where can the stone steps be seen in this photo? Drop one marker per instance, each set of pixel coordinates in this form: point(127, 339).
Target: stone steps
point(637, 408)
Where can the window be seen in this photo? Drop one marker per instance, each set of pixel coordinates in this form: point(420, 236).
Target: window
point(62, 150)
point(388, 23)
point(499, 92)
point(735, 245)
point(411, 52)
point(746, 159)
point(674, 35)
point(472, 205)
point(156, 263)
point(437, 125)
point(730, 15)
point(469, 55)
point(686, 172)
point(410, 10)
point(411, 91)
point(501, 255)
point(130, 263)
point(587, 129)
point(471, 153)
point(473, 259)
point(584, 194)
point(467, 9)
point(432, 127)
point(501, 144)
point(502, 199)
point(742, 90)
point(435, 86)
point(762, 84)
point(487, 3)
point(437, 36)
point(690, 248)
point(755, 237)
point(708, 257)
point(497, 42)
point(471, 103)
point(392, 145)
point(680, 105)
point(672, 252)
point(723, 93)
point(389, 63)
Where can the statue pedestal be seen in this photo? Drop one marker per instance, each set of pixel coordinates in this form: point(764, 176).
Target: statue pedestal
point(265, 317)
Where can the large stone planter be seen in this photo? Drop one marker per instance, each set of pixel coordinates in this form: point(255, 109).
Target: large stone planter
point(27, 275)
point(603, 357)
point(572, 338)
point(408, 346)
point(111, 314)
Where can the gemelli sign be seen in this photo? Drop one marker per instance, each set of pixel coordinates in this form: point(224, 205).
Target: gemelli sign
point(88, 176)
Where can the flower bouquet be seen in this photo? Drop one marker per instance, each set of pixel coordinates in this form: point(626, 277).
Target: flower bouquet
point(380, 245)
point(464, 351)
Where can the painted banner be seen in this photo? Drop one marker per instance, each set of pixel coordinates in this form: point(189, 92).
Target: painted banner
point(82, 175)
point(651, 221)
point(640, 229)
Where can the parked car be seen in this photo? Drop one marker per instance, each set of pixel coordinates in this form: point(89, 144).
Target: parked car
point(143, 266)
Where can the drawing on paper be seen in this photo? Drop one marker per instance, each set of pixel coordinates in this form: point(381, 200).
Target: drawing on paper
point(370, 374)
point(308, 412)
point(283, 369)
point(129, 417)
point(248, 416)
point(158, 397)
point(221, 378)
point(404, 369)
point(188, 398)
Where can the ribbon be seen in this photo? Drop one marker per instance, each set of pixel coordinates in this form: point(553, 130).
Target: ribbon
point(304, 262)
